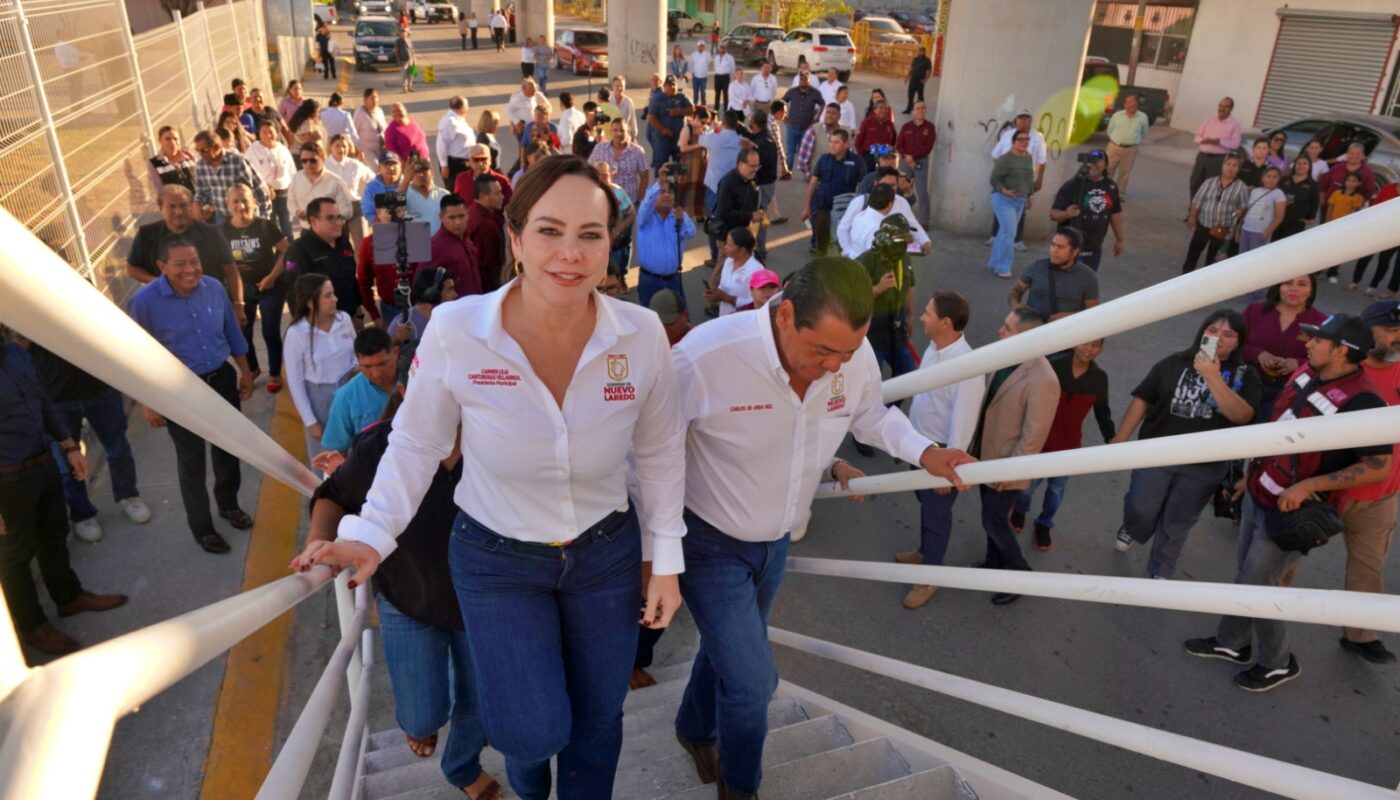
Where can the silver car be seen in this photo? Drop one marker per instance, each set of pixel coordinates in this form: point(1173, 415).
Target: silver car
point(1379, 135)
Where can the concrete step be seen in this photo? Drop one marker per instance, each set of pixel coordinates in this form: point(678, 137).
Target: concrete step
point(670, 672)
point(662, 694)
point(665, 769)
point(831, 774)
point(940, 783)
point(422, 774)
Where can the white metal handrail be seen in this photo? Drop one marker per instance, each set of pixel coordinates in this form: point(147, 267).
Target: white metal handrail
point(1369, 231)
point(1280, 777)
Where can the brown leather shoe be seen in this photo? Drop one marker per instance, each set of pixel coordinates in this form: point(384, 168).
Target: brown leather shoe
point(909, 557)
point(706, 759)
point(918, 596)
point(641, 679)
point(726, 793)
point(51, 641)
point(87, 601)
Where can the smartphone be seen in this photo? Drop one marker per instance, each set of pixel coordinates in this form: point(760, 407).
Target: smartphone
point(1208, 345)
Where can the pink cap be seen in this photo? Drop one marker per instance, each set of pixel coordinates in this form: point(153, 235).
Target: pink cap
point(764, 277)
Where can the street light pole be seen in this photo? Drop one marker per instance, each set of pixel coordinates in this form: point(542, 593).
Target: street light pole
point(1139, 22)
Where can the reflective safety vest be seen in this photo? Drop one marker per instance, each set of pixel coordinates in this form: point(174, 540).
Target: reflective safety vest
point(1305, 395)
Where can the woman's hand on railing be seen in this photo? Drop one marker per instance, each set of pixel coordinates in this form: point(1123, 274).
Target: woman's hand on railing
point(358, 556)
point(663, 600)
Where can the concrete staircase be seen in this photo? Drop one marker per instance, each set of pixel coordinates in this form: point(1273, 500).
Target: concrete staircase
point(810, 754)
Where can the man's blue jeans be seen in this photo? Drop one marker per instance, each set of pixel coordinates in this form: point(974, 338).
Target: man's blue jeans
point(107, 415)
point(430, 671)
point(649, 284)
point(542, 76)
point(1054, 495)
point(730, 586)
point(1007, 210)
point(553, 633)
point(794, 141)
point(935, 523)
point(697, 90)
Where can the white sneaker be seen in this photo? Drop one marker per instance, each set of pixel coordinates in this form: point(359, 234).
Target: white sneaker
point(136, 510)
point(1020, 247)
point(88, 530)
point(1332, 279)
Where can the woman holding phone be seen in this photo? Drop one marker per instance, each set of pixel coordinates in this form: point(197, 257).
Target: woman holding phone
point(1206, 387)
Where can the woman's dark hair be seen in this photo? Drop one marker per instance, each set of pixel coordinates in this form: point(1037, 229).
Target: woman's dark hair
point(1272, 297)
point(1301, 157)
point(830, 285)
point(225, 116)
point(541, 177)
point(742, 237)
point(534, 149)
point(1279, 151)
point(1237, 324)
point(870, 105)
point(305, 111)
point(304, 290)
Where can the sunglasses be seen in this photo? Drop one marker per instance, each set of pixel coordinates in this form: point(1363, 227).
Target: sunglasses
point(311, 161)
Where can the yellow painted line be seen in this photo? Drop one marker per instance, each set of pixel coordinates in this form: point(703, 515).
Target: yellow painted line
point(245, 719)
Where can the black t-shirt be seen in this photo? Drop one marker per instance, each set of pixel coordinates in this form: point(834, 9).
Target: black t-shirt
point(310, 253)
point(1098, 201)
point(919, 68)
point(1302, 197)
point(583, 143)
point(254, 247)
point(415, 579)
point(1178, 400)
point(61, 381)
point(214, 252)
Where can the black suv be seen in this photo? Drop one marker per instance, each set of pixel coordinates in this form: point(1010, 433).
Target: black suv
point(748, 43)
point(374, 42)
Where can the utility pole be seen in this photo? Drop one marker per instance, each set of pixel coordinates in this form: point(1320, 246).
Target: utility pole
point(1139, 22)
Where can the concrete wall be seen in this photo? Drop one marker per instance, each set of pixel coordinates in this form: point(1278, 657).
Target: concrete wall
point(1231, 44)
point(636, 40)
point(977, 94)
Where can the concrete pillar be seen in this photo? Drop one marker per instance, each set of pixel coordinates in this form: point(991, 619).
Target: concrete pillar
point(1039, 51)
point(636, 40)
point(535, 18)
point(483, 9)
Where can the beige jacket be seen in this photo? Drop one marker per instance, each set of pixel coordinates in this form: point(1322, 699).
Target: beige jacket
point(1017, 421)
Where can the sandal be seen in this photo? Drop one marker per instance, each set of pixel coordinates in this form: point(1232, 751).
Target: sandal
point(423, 747)
point(491, 791)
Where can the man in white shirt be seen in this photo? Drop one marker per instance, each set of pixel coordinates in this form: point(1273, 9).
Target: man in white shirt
point(828, 86)
point(570, 120)
point(863, 218)
point(768, 397)
point(521, 108)
point(699, 73)
point(740, 93)
point(336, 120)
point(1039, 155)
point(764, 87)
point(455, 138)
point(497, 23)
point(625, 105)
point(314, 181)
point(723, 69)
point(276, 166)
point(948, 416)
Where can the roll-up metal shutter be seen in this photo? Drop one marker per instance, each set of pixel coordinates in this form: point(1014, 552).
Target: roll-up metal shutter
point(1325, 62)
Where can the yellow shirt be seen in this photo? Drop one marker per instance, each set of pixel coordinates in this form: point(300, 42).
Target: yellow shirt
point(1339, 204)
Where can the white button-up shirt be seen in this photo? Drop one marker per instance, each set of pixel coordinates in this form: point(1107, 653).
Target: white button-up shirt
point(274, 164)
point(699, 64)
point(316, 356)
point(858, 225)
point(755, 451)
point(739, 95)
point(532, 470)
point(570, 120)
point(828, 90)
point(948, 414)
point(521, 108)
point(454, 137)
point(724, 64)
point(763, 88)
point(303, 190)
point(337, 121)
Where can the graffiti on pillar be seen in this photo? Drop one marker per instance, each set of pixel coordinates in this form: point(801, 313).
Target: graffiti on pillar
point(642, 52)
point(1055, 129)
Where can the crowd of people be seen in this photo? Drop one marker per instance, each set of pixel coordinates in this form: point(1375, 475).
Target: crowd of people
point(479, 356)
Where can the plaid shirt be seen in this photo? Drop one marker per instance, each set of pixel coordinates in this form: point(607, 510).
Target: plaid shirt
point(777, 135)
point(1217, 205)
point(211, 184)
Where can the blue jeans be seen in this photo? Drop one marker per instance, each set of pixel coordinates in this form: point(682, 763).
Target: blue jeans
point(730, 586)
point(269, 303)
point(1054, 495)
point(282, 214)
point(553, 633)
point(794, 141)
point(107, 415)
point(542, 76)
point(1260, 563)
point(1092, 258)
point(1007, 211)
point(935, 523)
point(1003, 551)
point(697, 90)
point(648, 285)
point(1163, 504)
point(430, 671)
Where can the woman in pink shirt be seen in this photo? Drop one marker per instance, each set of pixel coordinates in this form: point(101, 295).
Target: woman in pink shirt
point(1276, 345)
point(403, 136)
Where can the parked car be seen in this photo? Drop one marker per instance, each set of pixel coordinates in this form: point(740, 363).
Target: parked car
point(915, 22)
point(374, 42)
point(684, 22)
point(823, 48)
point(1379, 135)
point(325, 11)
point(748, 43)
point(583, 50)
point(885, 30)
point(432, 11)
point(841, 22)
point(376, 8)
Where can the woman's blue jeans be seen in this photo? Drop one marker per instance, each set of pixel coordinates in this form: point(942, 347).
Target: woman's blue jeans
point(1054, 495)
point(1008, 211)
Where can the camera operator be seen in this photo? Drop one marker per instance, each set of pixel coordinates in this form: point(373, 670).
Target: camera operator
point(586, 137)
point(1090, 203)
point(662, 229)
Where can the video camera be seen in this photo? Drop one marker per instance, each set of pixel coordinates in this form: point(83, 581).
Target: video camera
point(392, 202)
point(601, 117)
point(675, 170)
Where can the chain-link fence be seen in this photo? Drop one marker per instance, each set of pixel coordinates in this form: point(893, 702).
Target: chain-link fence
point(80, 98)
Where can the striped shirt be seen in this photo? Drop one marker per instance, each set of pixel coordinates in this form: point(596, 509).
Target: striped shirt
point(1216, 204)
point(212, 183)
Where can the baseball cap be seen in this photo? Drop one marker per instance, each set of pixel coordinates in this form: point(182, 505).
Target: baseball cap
point(1382, 312)
point(1097, 155)
point(1343, 329)
point(1023, 112)
point(667, 305)
point(389, 155)
point(670, 79)
point(764, 277)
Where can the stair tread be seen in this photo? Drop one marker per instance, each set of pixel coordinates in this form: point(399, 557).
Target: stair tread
point(826, 775)
point(939, 783)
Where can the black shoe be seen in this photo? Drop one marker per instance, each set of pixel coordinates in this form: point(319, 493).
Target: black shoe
point(1260, 678)
point(238, 518)
point(1004, 598)
point(1373, 652)
point(1017, 520)
point(865, 449)
point(212, 543)
point(1042, 537)
point(1210, 648)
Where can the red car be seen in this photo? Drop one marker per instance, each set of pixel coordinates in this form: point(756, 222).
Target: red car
point(583, 51)
point(915, 22)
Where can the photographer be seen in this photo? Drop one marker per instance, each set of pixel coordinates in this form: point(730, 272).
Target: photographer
point(586, 137)
point(1090, 203)
point(662, 229)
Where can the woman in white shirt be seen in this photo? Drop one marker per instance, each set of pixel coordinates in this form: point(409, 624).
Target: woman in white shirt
point(275, 165)
point(345, 164)
point(318, 351)
point(553, 385)
point(527, 58)
point(731, 282)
